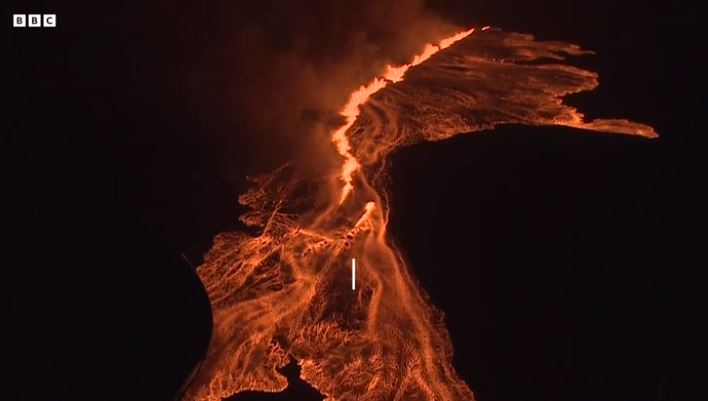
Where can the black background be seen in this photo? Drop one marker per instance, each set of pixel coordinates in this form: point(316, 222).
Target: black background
point(570, 265)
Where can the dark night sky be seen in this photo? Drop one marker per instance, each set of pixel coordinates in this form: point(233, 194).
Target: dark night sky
point(570, 265)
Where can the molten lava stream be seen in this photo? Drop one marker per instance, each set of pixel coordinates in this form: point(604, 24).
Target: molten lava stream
point(287, 292)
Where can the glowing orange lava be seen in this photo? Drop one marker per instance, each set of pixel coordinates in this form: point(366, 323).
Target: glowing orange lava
point(350, 111)
point(286, 293)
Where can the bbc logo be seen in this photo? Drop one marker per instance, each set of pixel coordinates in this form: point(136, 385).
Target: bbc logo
point(34, 20)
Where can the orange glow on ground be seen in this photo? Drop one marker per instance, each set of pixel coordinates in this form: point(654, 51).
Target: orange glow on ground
point(286, 292)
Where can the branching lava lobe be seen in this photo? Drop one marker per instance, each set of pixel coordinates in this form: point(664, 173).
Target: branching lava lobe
point(286, 293)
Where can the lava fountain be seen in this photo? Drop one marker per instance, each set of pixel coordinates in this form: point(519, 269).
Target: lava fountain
point(286, 292)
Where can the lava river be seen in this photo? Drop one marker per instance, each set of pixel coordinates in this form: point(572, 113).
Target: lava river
point(286, 292)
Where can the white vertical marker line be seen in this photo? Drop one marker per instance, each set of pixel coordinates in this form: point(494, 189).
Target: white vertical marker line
point(353, 274)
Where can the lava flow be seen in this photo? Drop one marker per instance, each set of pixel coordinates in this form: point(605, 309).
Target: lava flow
point(286, 293)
